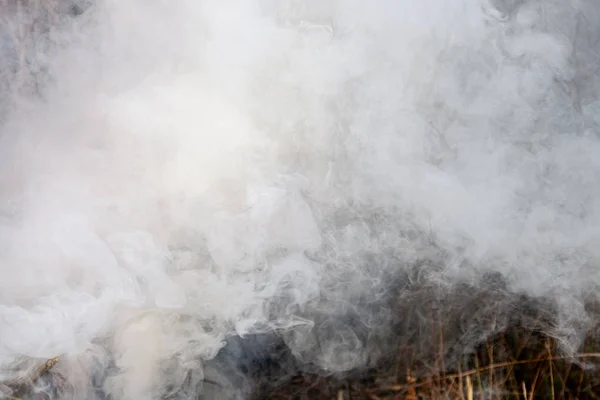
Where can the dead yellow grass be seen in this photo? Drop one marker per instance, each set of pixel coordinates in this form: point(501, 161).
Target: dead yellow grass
point(531, 367)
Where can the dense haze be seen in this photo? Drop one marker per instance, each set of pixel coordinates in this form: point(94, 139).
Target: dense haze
point(186, 172)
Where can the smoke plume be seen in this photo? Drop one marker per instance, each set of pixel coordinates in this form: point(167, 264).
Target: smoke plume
point(177, 178)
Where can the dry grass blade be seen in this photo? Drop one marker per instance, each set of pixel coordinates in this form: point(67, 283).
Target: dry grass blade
point(469, 388)
point(492, 367)
point(33, 377)
point(37, 374)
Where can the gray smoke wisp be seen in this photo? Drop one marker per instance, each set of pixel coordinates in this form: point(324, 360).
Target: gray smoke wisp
point(175, 176)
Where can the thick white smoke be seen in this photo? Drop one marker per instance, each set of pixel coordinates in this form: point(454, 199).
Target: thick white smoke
point(198, 170)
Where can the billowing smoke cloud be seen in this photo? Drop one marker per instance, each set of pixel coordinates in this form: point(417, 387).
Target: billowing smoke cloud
point(174, 175)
